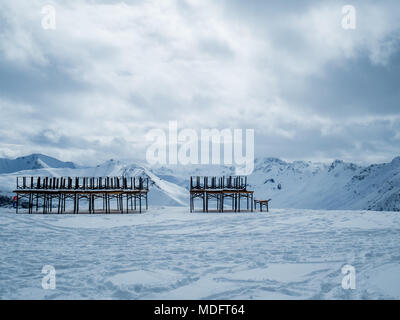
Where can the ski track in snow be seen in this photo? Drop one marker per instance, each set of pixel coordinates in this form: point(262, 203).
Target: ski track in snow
point(169, 253)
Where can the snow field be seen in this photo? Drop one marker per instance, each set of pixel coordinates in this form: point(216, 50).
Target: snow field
point(169, 253)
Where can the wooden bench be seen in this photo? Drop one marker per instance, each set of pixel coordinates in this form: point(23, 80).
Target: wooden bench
point(261, 204)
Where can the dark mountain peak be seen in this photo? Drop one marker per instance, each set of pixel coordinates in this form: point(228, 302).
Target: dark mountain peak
point(269, 161)
point(396, 161)
point(343, 165)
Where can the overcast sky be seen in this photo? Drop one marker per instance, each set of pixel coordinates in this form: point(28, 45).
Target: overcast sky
point(92, 88)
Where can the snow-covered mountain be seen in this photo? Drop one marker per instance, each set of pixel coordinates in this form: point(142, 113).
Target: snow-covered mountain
point(309, 185)
point(33, 161)
point(162, 192)
point(338, 185)
point(297, 184)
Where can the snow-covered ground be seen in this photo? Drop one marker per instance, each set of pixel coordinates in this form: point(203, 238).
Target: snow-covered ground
point(168, 253)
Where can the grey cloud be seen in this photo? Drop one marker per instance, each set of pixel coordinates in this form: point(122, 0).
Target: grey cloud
point(252, 64)
point(351, 88)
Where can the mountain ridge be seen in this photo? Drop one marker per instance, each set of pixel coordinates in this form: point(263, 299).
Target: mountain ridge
point(297, 184)
point(31, 162)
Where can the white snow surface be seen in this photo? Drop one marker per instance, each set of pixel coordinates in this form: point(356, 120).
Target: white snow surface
point(169, 253)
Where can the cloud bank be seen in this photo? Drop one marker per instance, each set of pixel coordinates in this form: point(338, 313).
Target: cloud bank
point(111, 71)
